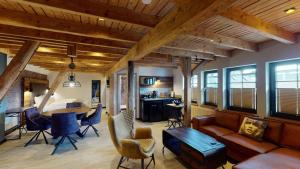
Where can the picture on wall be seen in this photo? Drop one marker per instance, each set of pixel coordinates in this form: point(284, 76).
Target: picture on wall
point(96, 90)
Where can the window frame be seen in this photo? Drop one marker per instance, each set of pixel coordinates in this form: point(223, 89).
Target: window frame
point(205, 73)
point(272, 87)
point(228, 70)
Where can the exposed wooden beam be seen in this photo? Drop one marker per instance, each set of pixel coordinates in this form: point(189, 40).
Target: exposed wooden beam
point(96, 9)
point(148, 64)
point(221, 40)
point(16, 66)
point(56, 37)
point(183, 19)
point(198, 47)
point(257, 25)
point(58, 79)
point(21, 19)
point(185, 53)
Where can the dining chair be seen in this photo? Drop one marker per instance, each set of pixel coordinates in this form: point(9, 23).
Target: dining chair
point(140, 146)
point(64, 125)
point(91, 120)
point(36, 122)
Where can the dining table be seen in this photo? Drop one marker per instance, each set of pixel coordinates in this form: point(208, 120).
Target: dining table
point(80, 111)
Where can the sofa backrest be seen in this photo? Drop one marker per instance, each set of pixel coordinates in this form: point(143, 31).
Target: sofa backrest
point(290, 135)
point(273, 131)
point(227, 119)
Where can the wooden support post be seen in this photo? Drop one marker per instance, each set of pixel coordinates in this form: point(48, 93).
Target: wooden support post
point(187, 71)
point(16, 66)
point(111, 95)
point(52, 89)
point(130, 100)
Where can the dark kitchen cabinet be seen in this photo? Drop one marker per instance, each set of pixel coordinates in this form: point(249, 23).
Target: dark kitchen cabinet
point(153, 110)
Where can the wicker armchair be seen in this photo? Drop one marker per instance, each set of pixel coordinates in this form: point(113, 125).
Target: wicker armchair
point(139, 146)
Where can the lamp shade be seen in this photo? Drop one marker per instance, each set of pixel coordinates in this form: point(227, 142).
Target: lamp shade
point(71, 82)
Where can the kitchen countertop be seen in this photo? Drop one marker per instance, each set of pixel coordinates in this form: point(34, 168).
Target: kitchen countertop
point(153, 99)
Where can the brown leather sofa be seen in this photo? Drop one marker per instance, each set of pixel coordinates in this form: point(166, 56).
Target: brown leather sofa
point(280, 147)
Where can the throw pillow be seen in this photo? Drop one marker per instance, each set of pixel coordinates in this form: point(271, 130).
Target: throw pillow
point(253, 128)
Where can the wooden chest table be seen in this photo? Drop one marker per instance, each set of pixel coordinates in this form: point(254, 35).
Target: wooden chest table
point(197, 149)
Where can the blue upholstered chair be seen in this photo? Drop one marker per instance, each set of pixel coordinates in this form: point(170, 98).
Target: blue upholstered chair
point(64, 125)
point(91, 120)
point(36, 122)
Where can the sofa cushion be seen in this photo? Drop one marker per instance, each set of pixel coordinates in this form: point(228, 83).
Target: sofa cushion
point(273, 131)
point(289, 136)
point(281, 158)
point(228, 120)
point(215, 131)
point(245, 145)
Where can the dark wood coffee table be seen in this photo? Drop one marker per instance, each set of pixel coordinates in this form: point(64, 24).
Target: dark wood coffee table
point(197, 149)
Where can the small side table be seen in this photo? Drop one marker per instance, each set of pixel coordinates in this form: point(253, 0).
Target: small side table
point(16, 113)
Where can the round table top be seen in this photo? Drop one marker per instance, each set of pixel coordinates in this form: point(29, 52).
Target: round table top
point(79, 110)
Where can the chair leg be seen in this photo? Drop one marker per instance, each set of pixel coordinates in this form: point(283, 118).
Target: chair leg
point(38, 135)
point(45, 137)
point(57, 144)
point(32, 139)
point(120, 162)
point(96, 131)
point(142, 163)
point(153, 158)
point(85, 131)
point(72, 142)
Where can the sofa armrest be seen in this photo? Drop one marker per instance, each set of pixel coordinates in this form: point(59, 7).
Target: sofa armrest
point(203, 121)
point(143, 133)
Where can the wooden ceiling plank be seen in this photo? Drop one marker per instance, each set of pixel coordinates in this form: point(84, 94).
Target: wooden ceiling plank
point(257, 25)
point(20, 19)
point(183, 19)
point(96, 9)
point(60, 37)
point(184, 53)
point(16, 66)
point(222, 40)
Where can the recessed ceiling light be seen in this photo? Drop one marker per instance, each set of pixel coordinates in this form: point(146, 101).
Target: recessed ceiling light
point(290, 10)
point(146, 2)
point(100, 19)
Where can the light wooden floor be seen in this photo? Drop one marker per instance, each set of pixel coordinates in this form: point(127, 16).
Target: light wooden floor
point(92, 153)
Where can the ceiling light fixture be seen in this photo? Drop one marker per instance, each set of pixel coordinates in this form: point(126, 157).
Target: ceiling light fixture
point(71, 82)
point(146, 2)
point(290, 10)
point(100, 19)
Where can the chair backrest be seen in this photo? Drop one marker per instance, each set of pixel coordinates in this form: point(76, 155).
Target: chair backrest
point(31, 114)
point(64, 124)
point(118, 129)
point(96, 116)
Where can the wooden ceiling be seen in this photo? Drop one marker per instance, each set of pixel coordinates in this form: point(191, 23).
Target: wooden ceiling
point(108, 33)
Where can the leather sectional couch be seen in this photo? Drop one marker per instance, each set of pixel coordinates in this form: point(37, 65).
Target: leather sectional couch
point(279, 149)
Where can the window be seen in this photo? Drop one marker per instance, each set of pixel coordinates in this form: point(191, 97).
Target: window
point(241, 89)
point(284, 89)
point(194, 81)
point(211, 87)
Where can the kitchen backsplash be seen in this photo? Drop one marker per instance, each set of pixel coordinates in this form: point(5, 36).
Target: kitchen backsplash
point(161, 92)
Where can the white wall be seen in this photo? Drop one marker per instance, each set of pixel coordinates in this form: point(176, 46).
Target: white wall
point(268, 52)
point(82, 93)
point(178, 82)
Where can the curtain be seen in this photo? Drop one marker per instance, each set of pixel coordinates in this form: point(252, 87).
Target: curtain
point(287, 100)
point(212, 95)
